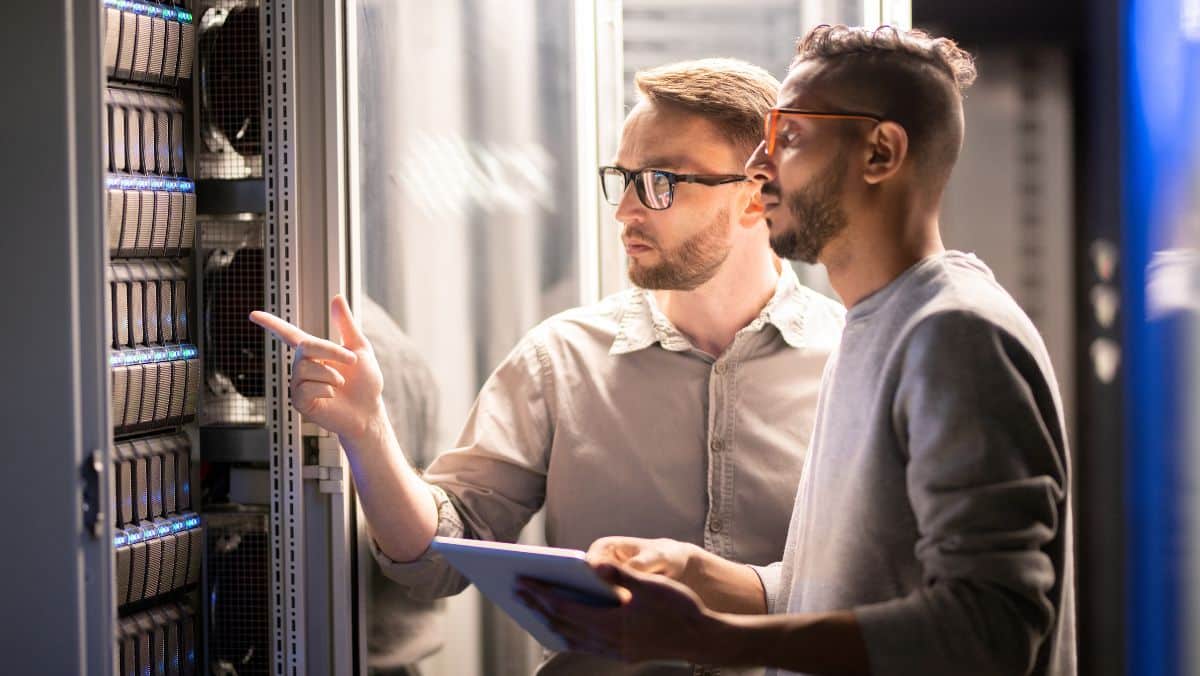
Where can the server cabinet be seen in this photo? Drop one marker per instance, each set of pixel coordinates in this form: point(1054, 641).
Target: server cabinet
point(114, 198)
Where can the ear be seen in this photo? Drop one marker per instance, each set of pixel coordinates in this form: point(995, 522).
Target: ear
point(752, 213)
point(887, 150)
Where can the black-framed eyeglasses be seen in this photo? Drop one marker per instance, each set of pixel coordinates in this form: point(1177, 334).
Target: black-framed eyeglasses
point(655, 187)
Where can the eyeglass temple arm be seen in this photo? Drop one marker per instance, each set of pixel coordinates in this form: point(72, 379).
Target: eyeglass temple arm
point(716, 179)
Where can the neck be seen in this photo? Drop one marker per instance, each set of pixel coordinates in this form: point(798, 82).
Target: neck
point(711, 314)
point(866, 259)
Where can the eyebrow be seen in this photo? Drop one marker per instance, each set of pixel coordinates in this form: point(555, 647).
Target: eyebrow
point(665, 162)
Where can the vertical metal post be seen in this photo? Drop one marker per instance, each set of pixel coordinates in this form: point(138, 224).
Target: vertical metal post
point(282, 283)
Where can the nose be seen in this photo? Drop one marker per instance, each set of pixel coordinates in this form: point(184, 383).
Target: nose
point(630, 208)
point(761, 167)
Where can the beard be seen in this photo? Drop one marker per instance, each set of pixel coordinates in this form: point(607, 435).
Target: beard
point(688, 265)
point(816, 213)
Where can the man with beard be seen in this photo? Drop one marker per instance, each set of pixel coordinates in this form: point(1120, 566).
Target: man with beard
point(679, 409)
point(931, 532)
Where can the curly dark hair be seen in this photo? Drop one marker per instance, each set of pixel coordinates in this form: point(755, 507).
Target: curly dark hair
point(906, 76)
point(828, 42)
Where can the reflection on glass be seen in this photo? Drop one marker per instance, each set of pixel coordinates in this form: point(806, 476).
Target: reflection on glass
point(465, 210)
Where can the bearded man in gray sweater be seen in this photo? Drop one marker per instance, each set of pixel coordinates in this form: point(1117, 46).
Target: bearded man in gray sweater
point(932, 529)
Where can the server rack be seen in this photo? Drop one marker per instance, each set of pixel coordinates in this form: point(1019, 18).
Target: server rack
point(116, 269)
point(149, 206)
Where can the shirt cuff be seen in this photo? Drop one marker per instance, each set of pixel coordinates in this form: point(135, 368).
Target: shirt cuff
point(429, 564)
point(769, 577)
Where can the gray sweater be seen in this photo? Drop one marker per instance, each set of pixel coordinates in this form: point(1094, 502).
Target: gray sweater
point(934, 501)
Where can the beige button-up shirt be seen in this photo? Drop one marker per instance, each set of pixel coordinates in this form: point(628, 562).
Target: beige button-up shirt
point(608, 418)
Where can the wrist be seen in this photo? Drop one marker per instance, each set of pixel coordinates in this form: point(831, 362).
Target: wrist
point(373, 427)
point(694, 571)
point(722, 636)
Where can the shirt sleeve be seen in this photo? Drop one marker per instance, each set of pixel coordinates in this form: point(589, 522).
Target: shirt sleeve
point(491, 484)
point(987, 482)
point(769, 577)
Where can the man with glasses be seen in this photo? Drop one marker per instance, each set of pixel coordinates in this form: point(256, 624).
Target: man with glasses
point(931, 532)
point(678, 409)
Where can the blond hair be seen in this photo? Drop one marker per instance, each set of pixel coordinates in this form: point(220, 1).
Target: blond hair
point(732, 94)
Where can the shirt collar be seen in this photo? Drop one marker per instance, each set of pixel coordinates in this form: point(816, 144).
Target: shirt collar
point(644, 324)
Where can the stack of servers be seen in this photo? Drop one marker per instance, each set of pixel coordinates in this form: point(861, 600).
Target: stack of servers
point(150, 216)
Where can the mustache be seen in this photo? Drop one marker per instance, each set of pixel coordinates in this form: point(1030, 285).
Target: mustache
point(771, 189)
point(641, 236)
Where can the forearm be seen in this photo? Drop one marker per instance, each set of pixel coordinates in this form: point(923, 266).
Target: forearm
point(824, 643)
point(723, 585)
point(400, 509)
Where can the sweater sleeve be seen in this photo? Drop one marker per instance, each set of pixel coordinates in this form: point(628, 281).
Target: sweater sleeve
point(987, 482)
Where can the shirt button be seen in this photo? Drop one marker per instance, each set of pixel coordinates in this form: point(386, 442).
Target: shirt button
point(715, 525)
point(720, 368)
point(718, 445)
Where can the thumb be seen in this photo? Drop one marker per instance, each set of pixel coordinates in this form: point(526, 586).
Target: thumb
point(343, 319)
point(618, 575)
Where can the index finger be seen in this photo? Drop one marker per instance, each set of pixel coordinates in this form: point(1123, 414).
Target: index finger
point(283, 330)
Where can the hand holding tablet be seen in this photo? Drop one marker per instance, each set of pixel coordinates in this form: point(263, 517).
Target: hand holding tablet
point(494, 569)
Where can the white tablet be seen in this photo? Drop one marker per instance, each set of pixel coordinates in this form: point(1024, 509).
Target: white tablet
point(494, 567)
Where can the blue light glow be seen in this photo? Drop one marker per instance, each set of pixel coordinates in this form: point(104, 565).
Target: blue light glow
point(177, 526)
point(135, 536)
point(193, 522)
point(152, 355)
point(120, 541)
point(160, 183)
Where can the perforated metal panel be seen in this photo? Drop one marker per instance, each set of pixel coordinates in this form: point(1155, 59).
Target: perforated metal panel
point(230, 89)
point(234, 285)
point(239, 570)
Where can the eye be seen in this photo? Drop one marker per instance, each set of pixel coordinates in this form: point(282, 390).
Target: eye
point(789, 135)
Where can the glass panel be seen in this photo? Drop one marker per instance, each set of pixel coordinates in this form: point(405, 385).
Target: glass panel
point(465, 211)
